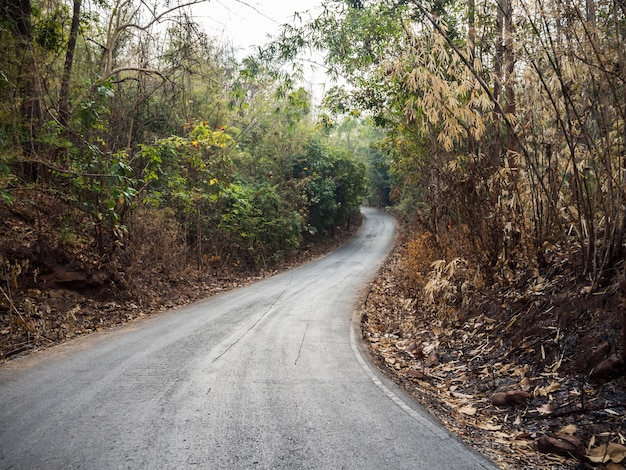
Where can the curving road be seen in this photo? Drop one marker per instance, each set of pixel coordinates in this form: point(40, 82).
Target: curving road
point(269, 376)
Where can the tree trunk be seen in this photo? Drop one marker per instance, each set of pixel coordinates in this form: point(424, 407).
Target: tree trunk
point(64, 109)
point(471, 29)
point(471, 54)
point(499, 53)
point(509, 63)
point(498, 79)
point(28, 87)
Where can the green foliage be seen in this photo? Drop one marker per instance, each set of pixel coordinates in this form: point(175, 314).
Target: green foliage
point(195, 175)
point(273, 133)
point(132, 115)
point(48, 30)
point(359, 135)
point(104, 188)
point(92, 112)
point(258, 224)
point(176, 168)
point(6, 179)
point(335, 185)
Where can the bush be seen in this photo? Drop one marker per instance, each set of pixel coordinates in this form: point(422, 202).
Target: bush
point(257, 224)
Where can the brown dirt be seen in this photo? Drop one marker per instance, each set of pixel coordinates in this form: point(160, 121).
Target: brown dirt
point(515, 371)
point(53, 287)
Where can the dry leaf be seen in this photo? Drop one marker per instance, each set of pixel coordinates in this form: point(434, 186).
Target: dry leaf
point(553, 387)
point(489, 427)
point(568, 446)
point(545, 409)
point(415, 374)
point(468, 410)
point(569, 429)
point(609, 368)
point(510, 398)
point(612, 451)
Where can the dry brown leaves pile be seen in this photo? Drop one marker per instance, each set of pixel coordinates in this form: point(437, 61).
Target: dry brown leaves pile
point(500, 368)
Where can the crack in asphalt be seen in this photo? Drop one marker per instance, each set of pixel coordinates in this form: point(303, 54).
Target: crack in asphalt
point(278, 297)
point(306, 328)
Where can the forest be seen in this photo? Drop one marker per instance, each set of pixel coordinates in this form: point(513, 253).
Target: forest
point(133, 143)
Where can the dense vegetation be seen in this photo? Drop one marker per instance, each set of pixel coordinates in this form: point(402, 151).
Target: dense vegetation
point(505, 119)
point(505, 132)
point(123, 112)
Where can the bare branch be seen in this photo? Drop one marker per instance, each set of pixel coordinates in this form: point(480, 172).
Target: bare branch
point(157, 18)
point(136, 69)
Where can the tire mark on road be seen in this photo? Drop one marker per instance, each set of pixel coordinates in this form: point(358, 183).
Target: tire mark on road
point(269, 309)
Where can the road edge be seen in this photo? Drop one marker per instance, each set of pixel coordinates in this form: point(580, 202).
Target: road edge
point(385, 383)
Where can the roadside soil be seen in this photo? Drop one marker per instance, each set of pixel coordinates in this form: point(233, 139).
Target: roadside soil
point(53, 287)
point(529, 374)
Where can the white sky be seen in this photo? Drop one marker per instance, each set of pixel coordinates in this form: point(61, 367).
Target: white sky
point(247, 23)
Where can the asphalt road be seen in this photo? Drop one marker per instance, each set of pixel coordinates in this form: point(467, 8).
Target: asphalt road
point(270, 376)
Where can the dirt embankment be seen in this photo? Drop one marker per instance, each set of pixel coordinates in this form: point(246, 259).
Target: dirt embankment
point(530, 374)
point(54, 285)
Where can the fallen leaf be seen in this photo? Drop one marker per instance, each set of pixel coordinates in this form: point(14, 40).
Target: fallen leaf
point(489, 427)
point(468, 410)
point(565, 445)
point(604, 453)
point(553, 387)
point(569, 429)
point(510, 398)
point(609, 368)
point(546, 409)
point(415, 374)
point(613, 466)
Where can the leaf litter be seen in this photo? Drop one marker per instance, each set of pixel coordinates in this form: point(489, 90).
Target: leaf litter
point(508, 370)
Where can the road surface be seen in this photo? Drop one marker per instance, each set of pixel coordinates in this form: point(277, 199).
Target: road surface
point(270, 376)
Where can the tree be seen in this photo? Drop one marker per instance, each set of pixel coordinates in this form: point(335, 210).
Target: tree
point(334, 186)
point(24, 73)
point(487, 153)
point(64, 90)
